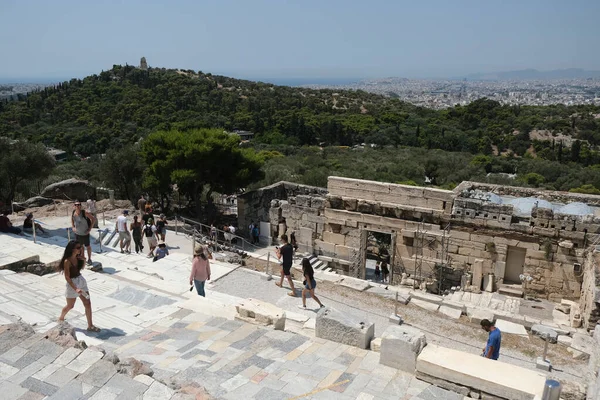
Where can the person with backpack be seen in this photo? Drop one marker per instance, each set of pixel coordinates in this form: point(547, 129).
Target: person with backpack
point(255, 235)
point(82, 225)
point(151, 234)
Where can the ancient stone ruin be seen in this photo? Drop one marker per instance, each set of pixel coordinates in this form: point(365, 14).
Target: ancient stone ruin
point(477, 237)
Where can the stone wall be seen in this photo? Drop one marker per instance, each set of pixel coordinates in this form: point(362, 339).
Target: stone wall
point(269, 204)
point(589, 302)
point(432, 227)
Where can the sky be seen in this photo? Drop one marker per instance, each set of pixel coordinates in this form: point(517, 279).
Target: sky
point(329, 39)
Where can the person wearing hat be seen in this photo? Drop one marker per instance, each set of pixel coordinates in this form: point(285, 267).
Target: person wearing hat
point(162, 251)
point(161, 229)
point(29, 223)
point(124, 236)
point(200, 269)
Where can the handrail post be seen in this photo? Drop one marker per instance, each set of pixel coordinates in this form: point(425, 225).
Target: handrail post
point(193, 241)
point(176, 226)
point(100, 237)
point(33, 225)
point(396, 305)
point(103, 219)
point(269, 264)
point(69, 234)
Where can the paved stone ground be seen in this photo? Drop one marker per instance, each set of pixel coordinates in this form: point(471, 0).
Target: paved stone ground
point(185, 339)
point(456, 335)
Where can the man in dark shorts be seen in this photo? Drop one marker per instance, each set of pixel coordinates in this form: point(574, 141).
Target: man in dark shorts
point(285, 253)
point(82, 224)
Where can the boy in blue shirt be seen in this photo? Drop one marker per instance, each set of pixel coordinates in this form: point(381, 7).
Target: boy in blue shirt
point(492, 347)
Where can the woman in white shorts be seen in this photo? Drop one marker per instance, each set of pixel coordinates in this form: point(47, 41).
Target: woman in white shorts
point(71, 264)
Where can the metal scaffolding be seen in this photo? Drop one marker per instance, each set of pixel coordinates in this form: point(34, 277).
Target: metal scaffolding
point(418, 245)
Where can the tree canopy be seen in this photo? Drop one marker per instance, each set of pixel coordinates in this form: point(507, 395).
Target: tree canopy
point(196, 160)
point(21, 161)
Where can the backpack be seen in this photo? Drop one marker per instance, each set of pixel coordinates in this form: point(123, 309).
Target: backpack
point(87, 219)
point(148, 231)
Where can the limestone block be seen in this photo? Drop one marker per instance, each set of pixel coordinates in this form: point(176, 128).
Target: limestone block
point(343, 252)
point(303, 200)
point(584, 343)
point(425, 304)
point(318, 203)
point(499, 379)
point(327, 249)
point(428, 297)
point(545, 332)
point(477, 273)
point(400, 347)
point(335, 238)
point(450, 312)
point(488, 282)
point(343, 328)
point(261, 313)
point(376, 344)
point(565, 340)
point(476, 315)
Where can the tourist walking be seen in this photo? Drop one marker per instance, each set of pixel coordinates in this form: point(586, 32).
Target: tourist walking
point(136, 232)
point(385, 272)
point(200, 269)
point(255, 235)
point(147, 214)
point(285, 254)
point(71, 264)
point(82, 224)
point(213, 233)
point(309, 283)
point(492, 347)
point(124, 236)
point(293, 241)
point(377, 272)
point(151, 236)
point(142, 204)
point(91, 209)
point(161, 228)
point(29, 223)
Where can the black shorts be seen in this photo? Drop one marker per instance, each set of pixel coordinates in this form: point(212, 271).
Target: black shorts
point(286, 270)
point(83, 240)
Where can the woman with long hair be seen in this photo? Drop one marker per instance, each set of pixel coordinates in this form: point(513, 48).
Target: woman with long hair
point(200, 269)
point(136, 232)
point(71, 264)
point(309, 283)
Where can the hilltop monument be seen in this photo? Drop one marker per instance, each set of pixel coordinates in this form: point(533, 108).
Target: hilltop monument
point(143, 64)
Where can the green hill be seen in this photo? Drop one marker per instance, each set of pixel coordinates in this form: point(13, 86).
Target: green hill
point(124, 104)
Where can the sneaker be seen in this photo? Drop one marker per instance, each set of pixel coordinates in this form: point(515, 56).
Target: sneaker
point(122, 252)
point(89, 262)
point(301, 307)
point(292, 294)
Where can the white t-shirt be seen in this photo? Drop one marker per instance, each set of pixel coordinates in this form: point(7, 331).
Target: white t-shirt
point(122, 223)
point(231, 230)
point(91, 206)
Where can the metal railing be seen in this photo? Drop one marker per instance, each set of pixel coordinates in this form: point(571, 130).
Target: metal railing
point(222, 237)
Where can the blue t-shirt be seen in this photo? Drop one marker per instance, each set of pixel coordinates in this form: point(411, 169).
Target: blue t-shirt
point(494, 339)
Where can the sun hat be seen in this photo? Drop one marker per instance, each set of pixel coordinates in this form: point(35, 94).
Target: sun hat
point(199, 250)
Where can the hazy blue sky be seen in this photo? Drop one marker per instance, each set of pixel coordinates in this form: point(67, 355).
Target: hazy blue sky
point(301, 38)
